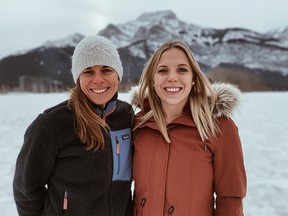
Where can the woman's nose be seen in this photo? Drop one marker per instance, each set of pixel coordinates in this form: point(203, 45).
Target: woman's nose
point(172, 77)
point(97, 78)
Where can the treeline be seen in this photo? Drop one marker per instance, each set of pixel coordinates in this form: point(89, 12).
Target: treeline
point(244, 78)
point(249, 79)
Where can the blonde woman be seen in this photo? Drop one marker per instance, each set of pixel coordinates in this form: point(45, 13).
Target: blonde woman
point(188, 157)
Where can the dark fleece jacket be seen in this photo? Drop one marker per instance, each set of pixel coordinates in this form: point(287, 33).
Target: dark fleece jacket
point(53, 166)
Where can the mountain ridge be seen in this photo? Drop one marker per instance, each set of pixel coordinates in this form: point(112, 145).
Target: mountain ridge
point(137, 39)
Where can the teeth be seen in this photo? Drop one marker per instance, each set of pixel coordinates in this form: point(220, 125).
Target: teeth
point(99, 91)
point(173, 89)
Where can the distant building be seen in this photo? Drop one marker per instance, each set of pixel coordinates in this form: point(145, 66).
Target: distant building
point(39, 84)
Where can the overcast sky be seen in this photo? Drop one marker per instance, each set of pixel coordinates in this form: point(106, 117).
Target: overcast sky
point(26, 24)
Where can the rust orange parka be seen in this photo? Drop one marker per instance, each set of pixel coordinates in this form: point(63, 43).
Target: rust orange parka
point(189, 176)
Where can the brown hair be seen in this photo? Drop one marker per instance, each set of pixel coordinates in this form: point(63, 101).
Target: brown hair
point(88, 125)
point(202, 96)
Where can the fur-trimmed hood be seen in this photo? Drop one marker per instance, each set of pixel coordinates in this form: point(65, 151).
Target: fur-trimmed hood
point(228, 98)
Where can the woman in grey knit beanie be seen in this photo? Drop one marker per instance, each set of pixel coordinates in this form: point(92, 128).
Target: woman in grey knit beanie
point(76, 156)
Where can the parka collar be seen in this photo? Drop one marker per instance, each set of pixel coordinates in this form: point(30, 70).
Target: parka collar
point(185, 119)
point(228, 98)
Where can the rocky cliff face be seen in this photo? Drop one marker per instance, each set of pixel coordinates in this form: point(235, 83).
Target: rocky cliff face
point(234, 51)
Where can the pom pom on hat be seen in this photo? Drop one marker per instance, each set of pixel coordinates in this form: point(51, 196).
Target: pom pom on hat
point(95, 50)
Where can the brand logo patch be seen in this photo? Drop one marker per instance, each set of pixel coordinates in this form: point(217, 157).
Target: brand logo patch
point(125, 136)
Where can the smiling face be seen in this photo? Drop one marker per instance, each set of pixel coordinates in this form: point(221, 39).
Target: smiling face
point(99, 83)
point(173, 79)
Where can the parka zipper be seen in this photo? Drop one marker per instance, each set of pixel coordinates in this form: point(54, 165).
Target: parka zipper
point(65, 201)
point(207, 148)
point(166, 168)
point(118, 153)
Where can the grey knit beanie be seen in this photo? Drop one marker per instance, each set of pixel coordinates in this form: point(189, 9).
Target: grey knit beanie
point(95, 50)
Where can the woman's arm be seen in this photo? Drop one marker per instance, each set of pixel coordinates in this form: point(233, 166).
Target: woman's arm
point(229, 171)
point(34, 165)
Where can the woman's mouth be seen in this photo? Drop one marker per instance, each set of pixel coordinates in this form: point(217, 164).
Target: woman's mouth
point(99, 91)
point(173, 89)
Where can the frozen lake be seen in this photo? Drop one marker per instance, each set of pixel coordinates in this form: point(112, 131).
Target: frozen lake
point(262, 119)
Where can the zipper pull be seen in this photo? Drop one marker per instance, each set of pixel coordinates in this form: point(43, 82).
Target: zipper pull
point(104, 115)
point(205, 147)
point(65, 201)
point(117, 146)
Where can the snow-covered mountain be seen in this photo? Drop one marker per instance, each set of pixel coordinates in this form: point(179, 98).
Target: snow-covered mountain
point(71, 40)
point(136, 40)
point(211, 46)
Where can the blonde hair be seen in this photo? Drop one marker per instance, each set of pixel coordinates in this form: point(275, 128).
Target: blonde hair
point(202, 96)
point(87, 124)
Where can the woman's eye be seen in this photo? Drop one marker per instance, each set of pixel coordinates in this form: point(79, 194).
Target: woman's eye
point(162, 71)
point(88, 72)
point(107, 71)
point(183, 70)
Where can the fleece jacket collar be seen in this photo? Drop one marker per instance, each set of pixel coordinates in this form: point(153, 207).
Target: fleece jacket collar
point(110, 106)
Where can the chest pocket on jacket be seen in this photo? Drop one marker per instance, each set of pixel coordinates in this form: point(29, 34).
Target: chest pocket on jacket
point(122, 158)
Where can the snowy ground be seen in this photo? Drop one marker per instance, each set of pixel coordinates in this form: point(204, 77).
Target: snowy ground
point(262, 120)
